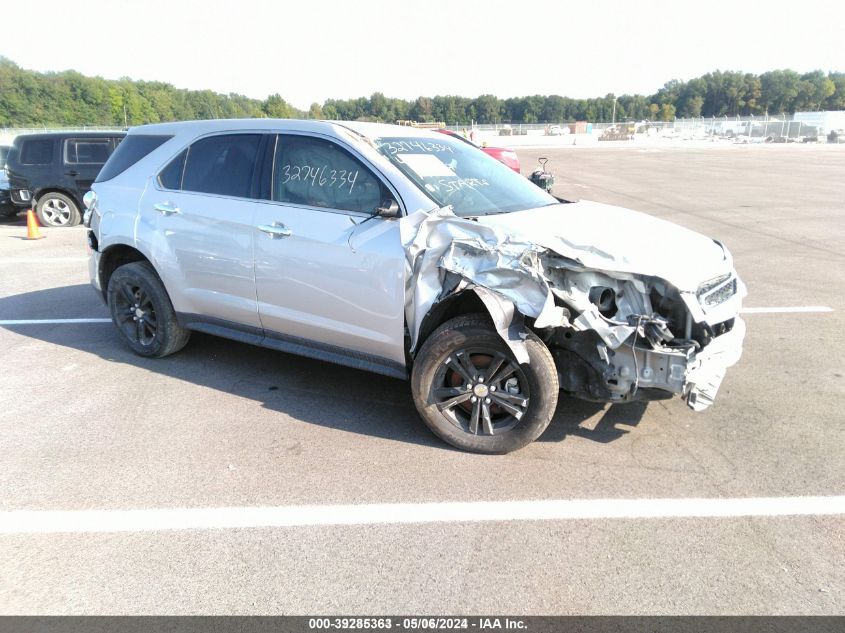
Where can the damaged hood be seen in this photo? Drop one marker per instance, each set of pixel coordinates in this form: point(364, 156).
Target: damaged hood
point(605, 237)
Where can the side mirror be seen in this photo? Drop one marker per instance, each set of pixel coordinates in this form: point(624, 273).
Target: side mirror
point(388, 209)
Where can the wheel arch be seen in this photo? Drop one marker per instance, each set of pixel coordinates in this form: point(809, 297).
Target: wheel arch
point(464, 302)
point(39, 193)
point(115, 256)
point(504, 316)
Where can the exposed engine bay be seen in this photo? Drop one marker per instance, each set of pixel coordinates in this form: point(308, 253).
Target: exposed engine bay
point(628, 338)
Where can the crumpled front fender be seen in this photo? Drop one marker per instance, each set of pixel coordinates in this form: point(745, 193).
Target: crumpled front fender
point(506, 272)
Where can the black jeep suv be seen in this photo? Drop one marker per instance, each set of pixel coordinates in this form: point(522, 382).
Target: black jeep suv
point(52, 171)
point(7, 209)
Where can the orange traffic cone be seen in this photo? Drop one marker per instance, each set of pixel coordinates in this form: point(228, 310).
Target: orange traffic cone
point(32, 232)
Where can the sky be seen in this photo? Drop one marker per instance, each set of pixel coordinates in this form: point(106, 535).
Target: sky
point(312, 50)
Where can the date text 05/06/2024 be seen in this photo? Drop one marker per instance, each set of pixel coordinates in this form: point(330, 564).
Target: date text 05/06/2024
point(417, 623)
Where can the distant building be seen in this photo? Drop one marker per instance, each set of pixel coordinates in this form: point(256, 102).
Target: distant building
point(823, 121)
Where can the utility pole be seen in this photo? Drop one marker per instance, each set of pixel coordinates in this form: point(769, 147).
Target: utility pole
point(613, 121)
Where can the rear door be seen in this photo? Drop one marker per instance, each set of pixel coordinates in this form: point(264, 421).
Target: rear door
point(83, 159)
point(330, 273)
point(198, 216)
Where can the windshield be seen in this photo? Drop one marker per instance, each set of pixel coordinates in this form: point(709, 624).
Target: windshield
point(455, 173)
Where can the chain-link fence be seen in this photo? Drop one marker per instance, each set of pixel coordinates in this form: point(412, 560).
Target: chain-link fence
point(782, 128)
point(762, 128)
point(526, 129)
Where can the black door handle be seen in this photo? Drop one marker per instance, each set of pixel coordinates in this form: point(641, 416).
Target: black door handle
point(72, 172)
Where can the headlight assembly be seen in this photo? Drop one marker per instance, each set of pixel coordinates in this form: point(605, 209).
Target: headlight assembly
point(716, 291)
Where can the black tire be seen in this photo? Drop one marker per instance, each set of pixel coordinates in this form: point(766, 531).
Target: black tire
point(8, 212)
point(439, 377)
point(57, 209)
point(135, 292)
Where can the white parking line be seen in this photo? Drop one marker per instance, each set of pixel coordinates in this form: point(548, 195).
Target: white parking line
point(786, 309)
point(155, 520)
point(50, 321)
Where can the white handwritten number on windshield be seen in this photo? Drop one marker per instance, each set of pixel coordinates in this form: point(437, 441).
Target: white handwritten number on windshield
point(320, 176)
point(426, 147)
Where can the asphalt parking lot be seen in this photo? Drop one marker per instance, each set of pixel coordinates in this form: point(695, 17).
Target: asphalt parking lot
point(87, 426)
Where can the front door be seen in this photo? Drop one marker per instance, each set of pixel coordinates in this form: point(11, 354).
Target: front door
point(329, 273)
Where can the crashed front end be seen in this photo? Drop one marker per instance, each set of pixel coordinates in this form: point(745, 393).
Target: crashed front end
point(617, 334)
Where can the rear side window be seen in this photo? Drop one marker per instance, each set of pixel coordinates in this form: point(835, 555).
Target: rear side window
point(317, 173)
point(129, 151)
point(171, 176)
point(222, 165)
point(94, 151)
point(37, 152)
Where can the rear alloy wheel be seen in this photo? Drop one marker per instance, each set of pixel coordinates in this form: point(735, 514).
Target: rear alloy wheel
point(142, 312)
point(56, 209)
point(472, 392)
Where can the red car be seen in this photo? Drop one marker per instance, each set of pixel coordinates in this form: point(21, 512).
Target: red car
point(501, 154)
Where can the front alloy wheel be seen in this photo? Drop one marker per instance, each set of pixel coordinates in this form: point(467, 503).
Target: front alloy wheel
point(482, 391)
point(472, 392)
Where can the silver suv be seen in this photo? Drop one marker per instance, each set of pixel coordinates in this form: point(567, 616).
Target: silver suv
point(412, 255)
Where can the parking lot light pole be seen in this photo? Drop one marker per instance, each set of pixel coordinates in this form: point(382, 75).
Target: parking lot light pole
point(613, 117)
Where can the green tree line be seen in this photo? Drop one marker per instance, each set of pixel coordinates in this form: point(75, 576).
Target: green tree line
point(29, 98)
